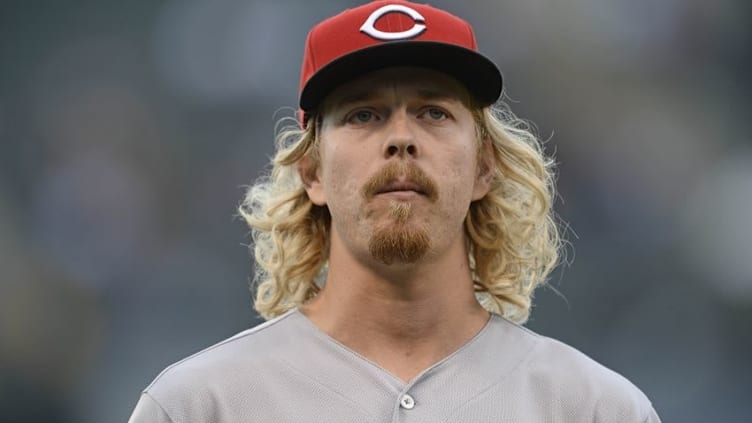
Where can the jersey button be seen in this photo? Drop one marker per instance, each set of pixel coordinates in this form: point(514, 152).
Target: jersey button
point(407, 402)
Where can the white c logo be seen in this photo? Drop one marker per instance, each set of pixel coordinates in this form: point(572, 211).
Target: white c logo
point(368, 26)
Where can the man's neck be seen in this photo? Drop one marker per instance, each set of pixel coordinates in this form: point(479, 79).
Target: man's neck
point(406, 319)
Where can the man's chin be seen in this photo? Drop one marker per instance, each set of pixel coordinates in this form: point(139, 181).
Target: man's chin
point(399, 245)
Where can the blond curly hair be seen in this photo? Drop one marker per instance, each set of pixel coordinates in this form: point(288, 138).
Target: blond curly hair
point(514, 238)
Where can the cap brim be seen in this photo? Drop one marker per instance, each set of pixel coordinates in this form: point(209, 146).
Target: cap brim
point(478, 73)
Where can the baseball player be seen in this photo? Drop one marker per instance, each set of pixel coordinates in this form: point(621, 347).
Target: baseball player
point(398, 239)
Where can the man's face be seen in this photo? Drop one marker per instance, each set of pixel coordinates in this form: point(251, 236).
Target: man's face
point(398, 166)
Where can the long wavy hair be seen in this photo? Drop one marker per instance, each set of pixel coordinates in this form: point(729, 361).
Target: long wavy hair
point(513, 234)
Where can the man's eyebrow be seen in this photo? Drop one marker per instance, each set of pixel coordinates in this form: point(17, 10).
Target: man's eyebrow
point(354, 97)
point(434, 94)
point(367, 94)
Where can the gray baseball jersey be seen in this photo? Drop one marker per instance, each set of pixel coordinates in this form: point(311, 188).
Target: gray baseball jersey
point(286, 370)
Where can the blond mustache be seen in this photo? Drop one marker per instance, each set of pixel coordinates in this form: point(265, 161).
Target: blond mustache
point(400, 171)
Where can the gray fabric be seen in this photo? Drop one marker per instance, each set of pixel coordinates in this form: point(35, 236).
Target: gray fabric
point(286, 370)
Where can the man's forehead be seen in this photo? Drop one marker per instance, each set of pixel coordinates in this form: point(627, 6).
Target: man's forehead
point(423, 83)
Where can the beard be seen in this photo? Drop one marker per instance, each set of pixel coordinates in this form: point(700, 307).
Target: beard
point(400, 241)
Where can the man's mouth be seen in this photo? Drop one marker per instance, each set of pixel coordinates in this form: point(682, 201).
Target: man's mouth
point(401, 186)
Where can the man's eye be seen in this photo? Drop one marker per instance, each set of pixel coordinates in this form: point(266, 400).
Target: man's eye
point(435, 113)
point(362, 116)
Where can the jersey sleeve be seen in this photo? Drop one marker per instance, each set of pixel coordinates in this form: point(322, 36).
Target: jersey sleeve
point(148, 410)
point(652, 417)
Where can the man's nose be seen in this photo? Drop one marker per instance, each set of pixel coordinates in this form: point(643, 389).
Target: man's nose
point(401, 139)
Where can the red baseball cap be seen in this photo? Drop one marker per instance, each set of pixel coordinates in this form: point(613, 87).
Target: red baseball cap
point(388, 33)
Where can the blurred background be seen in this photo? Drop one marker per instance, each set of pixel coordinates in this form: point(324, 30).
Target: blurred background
point(128, 131)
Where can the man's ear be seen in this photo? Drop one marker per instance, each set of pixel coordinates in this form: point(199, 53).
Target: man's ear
point(308, 170)
point(485, 173)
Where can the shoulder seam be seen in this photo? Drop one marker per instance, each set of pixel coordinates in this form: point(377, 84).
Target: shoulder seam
point(243, 334)
point(519, 326)
point(154, 400)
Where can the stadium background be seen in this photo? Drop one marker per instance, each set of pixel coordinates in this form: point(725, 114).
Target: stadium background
point(129, 128)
